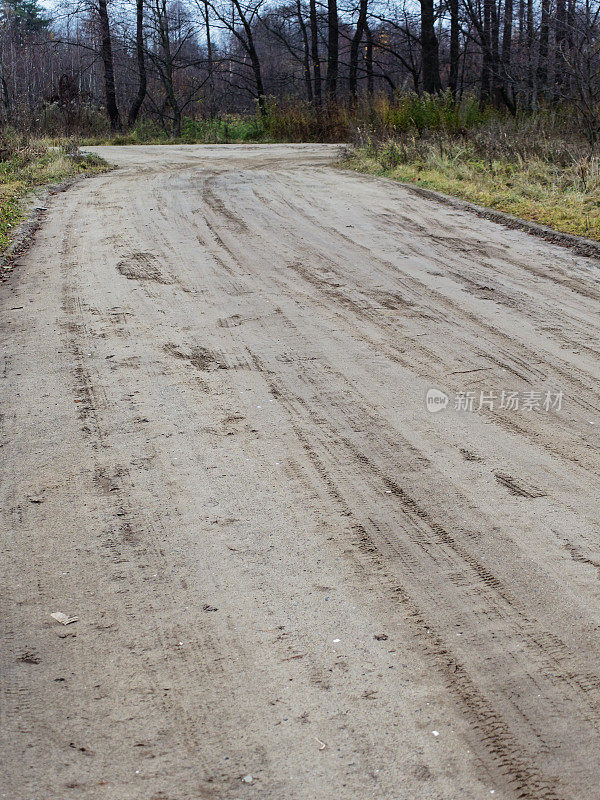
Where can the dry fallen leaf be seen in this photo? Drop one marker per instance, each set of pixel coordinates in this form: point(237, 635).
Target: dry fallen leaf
point(64, 619)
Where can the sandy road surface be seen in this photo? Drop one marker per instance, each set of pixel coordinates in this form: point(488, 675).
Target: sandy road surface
point(216, 453)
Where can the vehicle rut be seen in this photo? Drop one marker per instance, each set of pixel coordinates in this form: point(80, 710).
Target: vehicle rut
point(292, 580)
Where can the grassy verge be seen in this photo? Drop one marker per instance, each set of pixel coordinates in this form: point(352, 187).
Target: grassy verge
point(231, 129)
point(26, 164)
point(530, 168)
point(300, 123)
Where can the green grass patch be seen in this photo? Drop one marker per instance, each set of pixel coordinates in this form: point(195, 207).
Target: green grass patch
point(26, 164)
point(300, 121)
point(229, 129)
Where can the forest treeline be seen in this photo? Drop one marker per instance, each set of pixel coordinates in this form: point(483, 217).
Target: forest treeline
point(89, 65)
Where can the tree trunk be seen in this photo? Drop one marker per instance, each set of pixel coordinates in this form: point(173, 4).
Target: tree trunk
point(484, 94)
point(559, 44)
point(430, 66)
point(260, 89)
point(495, 58)
point(530, 45)
point(369, 60)
point(109, 69)
point(542, 66)
point(521, 21)
point(507, 87)
point(141, 61)
point(466, 54)
point(561, 21)
point(209, 65)
point(570, 22)
point(332, 50)
point(314, 46)
point(454, 47)
point(167, 77)
point(254, 60)
point(305, 52)
point(5, 95)
point(354, 47)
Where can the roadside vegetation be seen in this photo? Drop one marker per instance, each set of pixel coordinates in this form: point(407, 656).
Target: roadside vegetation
point(28, 163)
point(284, 121)
point(536, 166)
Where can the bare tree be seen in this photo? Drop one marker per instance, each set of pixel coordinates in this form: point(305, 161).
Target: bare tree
point(332, 50)
point(454, 46)
point(582, 67)
point(429, 49)
point(109, 69)
point(239, 17)
point(141, 64)
point(542, 64)
point(356, 40)
point(314, 49)
point(305, 52)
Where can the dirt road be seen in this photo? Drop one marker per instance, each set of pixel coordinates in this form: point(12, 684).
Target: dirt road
point(293, 580)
